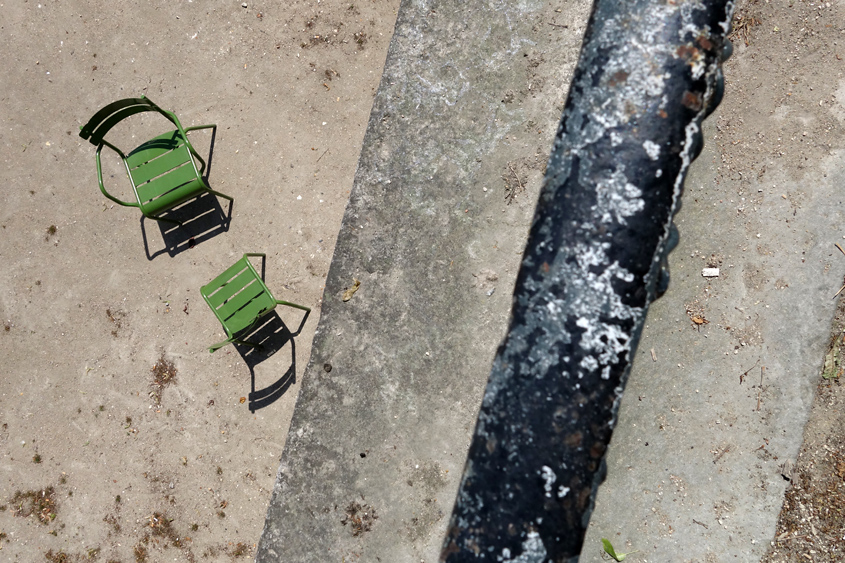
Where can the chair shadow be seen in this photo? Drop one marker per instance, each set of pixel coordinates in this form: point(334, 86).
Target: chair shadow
point(271, 336)
point(202, 218)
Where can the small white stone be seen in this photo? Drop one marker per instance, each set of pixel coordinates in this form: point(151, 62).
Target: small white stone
point(710, 272)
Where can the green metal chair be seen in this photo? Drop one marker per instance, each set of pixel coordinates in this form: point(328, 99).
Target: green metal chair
point(162, 171)
point(240, 298)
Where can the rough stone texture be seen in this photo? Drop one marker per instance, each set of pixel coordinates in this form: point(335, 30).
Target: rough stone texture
point(465, 114)
point(694, 466)
point(646, 78)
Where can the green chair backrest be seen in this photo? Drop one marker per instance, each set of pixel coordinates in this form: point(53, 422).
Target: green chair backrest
point(114, 113)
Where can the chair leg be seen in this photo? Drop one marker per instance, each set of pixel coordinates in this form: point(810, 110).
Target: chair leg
point(165, 220)
point(214, 347)
point(250, 344)
point(304, 318)
point(224, 196)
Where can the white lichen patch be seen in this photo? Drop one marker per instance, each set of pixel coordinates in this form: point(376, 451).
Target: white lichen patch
point(697, 62)
point(533, 551)
point(617, 198)
point(615, 139)
point(652, 149)
point(549, 479)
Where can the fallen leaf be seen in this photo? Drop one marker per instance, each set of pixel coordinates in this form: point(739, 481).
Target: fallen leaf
point(347, 295)
point(608, 548)
point(831, 368)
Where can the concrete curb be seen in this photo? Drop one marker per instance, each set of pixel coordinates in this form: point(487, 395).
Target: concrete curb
point(388, 403)
point(471, 93)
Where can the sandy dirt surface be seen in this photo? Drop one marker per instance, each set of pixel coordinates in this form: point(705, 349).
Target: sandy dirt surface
point(811, 525)
point(121, 437)
point(789, 64)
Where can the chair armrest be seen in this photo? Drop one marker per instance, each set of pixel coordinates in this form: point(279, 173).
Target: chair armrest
point(100, 176)
point(195, 127)
point(294, 305)
point(304, 317)
point(191, 147)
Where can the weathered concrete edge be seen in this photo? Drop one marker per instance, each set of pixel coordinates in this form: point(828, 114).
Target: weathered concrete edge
point(389, 425)
point(694, 466)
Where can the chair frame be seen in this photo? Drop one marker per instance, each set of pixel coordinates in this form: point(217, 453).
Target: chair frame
point(210, 289)
point(97, 127)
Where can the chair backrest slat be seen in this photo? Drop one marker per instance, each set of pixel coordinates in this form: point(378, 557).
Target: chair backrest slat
point(154, 148)
point(112, 114)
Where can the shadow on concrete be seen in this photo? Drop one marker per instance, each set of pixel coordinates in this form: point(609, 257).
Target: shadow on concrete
point(271, 337)
point(202, 218)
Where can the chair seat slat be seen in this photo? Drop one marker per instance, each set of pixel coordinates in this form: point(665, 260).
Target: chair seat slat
point(232, 312)
point(230, 273)
point(228, 289)
point(153, 148)
point(165, 162)
point(173, 180)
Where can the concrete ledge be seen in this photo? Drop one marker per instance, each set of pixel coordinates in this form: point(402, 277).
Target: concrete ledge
point(694, 466)
point(468, 105)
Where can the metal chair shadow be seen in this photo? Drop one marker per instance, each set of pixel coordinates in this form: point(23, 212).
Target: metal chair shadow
point(272, 336)
point(202, 218)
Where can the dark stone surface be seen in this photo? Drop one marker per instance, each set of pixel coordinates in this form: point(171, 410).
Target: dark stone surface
point(647, 76)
